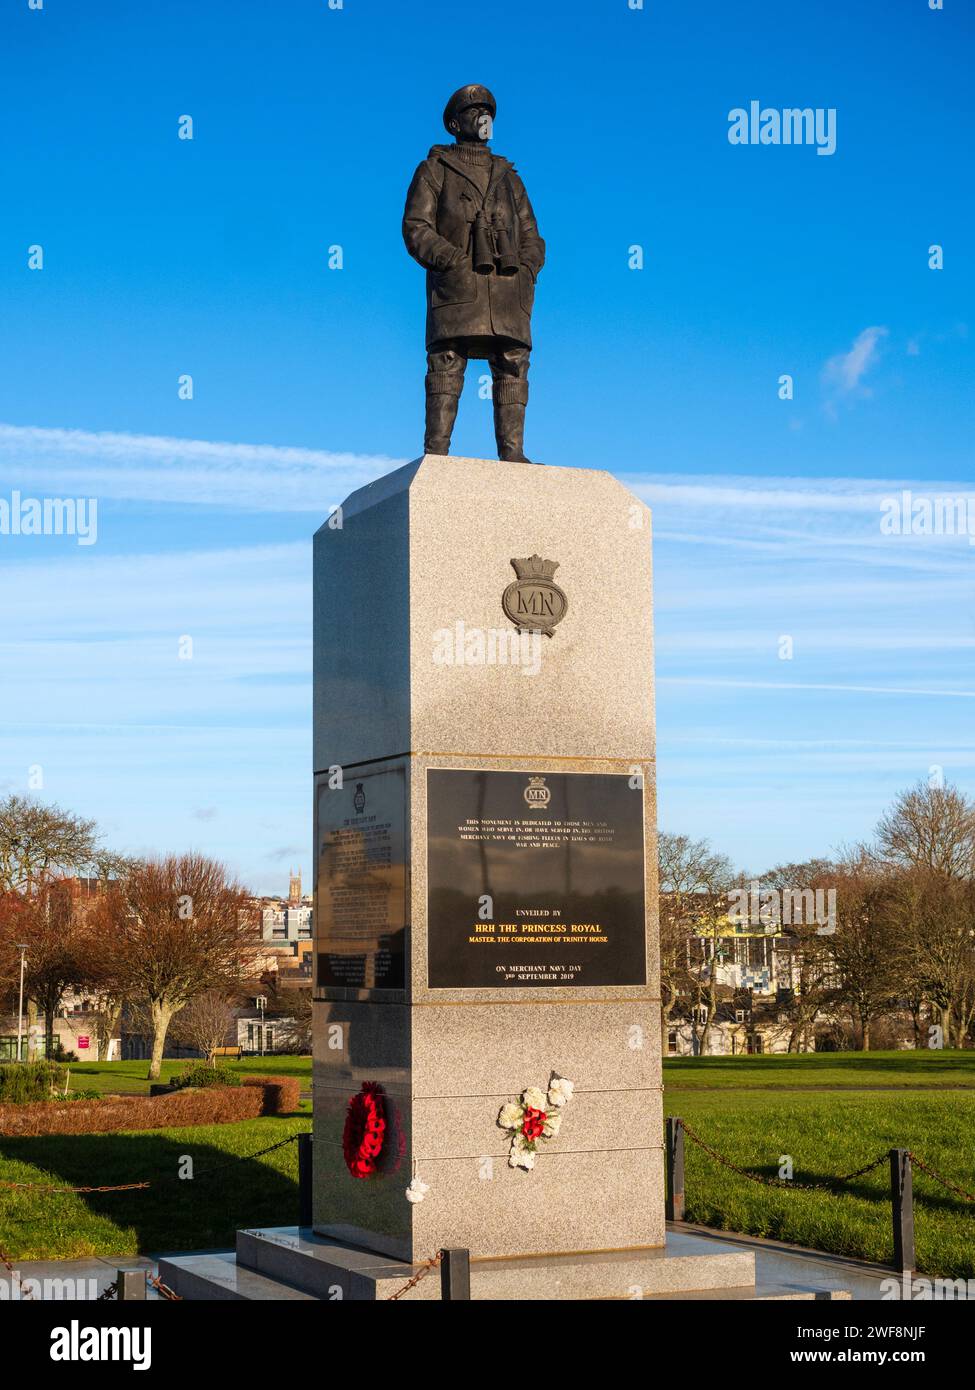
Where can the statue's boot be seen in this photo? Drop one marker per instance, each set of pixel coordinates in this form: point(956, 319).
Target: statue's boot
point(509, 431)
point(441, 414)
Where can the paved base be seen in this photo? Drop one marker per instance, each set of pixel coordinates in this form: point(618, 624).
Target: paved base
point(85, 1279)
point(289, 1263)
point(781, 1271)
point(778, 1263)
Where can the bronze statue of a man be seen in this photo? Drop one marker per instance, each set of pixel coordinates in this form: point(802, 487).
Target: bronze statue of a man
point(470, 225)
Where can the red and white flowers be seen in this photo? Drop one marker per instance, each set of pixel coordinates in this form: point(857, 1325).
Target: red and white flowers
point(536, 1116)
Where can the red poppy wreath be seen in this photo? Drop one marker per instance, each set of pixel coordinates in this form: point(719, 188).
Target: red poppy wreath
point(371, 1135)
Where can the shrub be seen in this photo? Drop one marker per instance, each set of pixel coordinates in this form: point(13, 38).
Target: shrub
point(281, 1093)
point(217, 1105)
point(202, 1077)
point(22, 1082)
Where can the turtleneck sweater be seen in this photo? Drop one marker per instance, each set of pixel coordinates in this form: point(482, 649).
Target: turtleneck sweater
point(478, 158)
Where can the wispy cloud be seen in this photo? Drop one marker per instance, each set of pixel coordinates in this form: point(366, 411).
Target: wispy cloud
point(214, 750)
point(818, 685)
point(157, 468)
point(843, 374)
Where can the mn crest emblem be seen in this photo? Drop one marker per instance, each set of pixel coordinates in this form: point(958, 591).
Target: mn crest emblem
point(534, 602)
point(537, 794)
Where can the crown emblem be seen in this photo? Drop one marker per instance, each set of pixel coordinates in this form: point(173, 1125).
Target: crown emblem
point(534, 567)
point(534, 602)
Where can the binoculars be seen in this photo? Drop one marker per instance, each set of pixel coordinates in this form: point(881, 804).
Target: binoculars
point(493, 246)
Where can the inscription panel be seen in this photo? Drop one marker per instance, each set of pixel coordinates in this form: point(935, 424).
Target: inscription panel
point(360, 899)
point(534, 880)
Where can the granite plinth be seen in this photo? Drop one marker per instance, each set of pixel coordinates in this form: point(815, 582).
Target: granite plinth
point(417, 679)
point(430, 545)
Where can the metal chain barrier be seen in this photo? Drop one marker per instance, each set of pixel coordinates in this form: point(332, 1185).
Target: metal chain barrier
point(932, 1173)
point(168, 1177)
point(49, 1187)
point(428, 1266)
point(237, 1158)
point(6, 1261)
point(164, 1290)
point(788, 1183)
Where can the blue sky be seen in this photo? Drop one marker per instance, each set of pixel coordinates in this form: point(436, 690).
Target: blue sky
point(210, 257)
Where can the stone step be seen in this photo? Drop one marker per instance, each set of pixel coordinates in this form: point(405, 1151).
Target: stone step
point(758, 1293)
point(328, 1270)
point(220, 1277)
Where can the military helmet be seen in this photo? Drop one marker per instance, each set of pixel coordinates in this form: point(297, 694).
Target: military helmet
point(471, 95)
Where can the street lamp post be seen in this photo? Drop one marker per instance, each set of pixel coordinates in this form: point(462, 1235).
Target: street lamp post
point(261, 1002)
point(20, 1007)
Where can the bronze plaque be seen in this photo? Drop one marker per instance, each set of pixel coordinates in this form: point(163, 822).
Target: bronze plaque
point(360, 898)
point(534, 880)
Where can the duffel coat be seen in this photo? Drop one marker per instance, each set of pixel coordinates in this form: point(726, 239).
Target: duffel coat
point(438, 223)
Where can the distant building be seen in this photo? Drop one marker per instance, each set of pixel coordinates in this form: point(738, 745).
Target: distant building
point(262, 1035)
point(285, 921)
point(744, 958)
point(742, 1025)
point(755, 971)
point(286, 924)
point(74, 1028)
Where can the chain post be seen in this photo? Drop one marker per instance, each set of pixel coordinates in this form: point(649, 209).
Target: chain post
point(902, 1210)
point(455, 1275)
point(305, 1179)
point(131, 1285)
point(675, 1169)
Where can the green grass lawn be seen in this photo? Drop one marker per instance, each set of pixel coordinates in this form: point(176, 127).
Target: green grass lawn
point(826, 1136)
point(129, 1078)
point(195, 1213)
point(847, 1070)
point(752, 1109)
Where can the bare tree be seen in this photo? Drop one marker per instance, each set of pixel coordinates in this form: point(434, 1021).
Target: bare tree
point(39, 842)
point(293, 1002)
point(867, 950)
point(57, 932)
point(805, 946)
point(205, 1023)
point(694, 884)
point(937, 915)
point(13, 929)
point(176, 927)
point(930, 828)
point(107, 1020)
